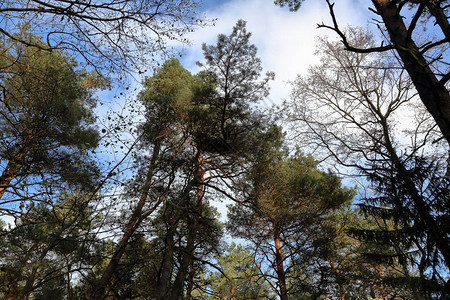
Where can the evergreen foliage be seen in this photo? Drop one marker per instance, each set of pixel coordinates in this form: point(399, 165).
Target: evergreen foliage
point(46, 124)
point(287, 203)
point(154, 231)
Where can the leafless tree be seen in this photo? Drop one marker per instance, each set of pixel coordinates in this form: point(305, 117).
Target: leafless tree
point(361, 112)
point(116, 35)
point(423, 58)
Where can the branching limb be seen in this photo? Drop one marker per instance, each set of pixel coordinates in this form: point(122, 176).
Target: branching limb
point(343, 37)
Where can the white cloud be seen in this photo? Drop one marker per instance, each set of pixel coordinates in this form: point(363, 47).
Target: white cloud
point(285, 39)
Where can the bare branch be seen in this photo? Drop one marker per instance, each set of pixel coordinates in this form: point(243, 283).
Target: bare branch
point(343, 37)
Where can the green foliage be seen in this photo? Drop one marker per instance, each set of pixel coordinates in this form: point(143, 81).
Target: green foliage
point(40, 255)
point(213, 107)
point(204, 124)
point(202, 139)
point(293, 5)
point(238, 277)
point(46, 134)
point(235, 70)
point(401, 237)
point(44, 92)
point(335, 265)
point(288, 202)
point(45, 117)
point(291, 187)
point(166, 97)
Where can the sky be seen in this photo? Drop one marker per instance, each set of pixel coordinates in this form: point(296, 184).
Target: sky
point(285, 40)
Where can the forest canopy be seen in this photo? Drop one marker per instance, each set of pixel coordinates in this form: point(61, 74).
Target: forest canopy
point(342, 191)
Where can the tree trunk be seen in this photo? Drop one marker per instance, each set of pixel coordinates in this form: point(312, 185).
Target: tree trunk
point(281, 274)
point(435, 231)
point(232, 291)
point(433, 94)
point(100, 291)
point(186, 260)
point(439, 15)
point(190, 286)
point(166, 264)
point(188, 253)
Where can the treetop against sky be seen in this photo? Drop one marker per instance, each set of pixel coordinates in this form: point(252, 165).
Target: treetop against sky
point(285, 40)
point(190, 135)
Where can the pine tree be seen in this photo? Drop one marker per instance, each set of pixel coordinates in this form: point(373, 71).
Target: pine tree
point(45, 121)
point(41, 255)
point(288, 200)
point(197, 129)
point(166, 95)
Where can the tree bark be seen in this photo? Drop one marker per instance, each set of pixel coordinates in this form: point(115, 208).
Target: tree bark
point(338, 279)
point(190, 286)
point(433, 94)
point(187, 259)
point(232, 291)
point(163, 282)
point(281, 274)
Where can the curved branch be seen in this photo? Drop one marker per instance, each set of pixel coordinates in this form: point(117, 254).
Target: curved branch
point(344, 40)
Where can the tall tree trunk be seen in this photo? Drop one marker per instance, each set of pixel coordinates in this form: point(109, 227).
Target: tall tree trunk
point(193, 223)
point(165, 272)
point(281, 274)
point(190, 286)
point(186, 260)
point(433, 229)
point(100, 291)
point(433, 93)
point(232, 291)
